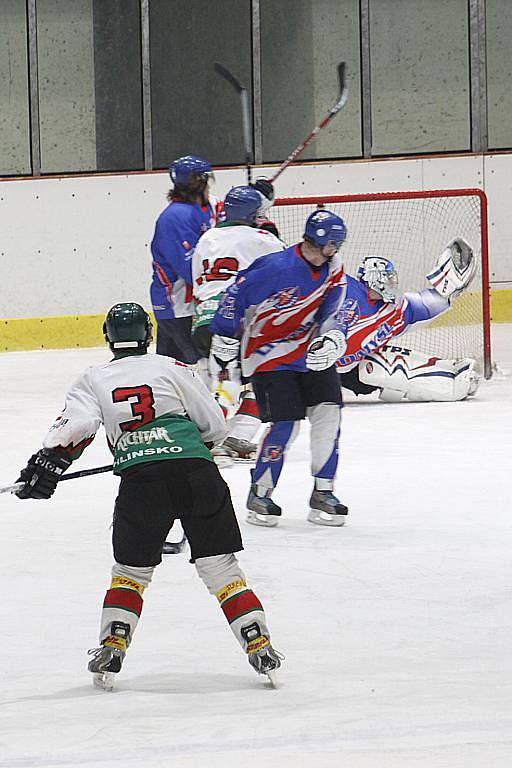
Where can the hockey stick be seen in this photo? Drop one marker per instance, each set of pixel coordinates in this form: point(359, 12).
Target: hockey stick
point(246, 119)
point(72, 476)
point(340, 103)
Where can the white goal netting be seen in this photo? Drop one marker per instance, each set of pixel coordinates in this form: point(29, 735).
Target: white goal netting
point(412, 229)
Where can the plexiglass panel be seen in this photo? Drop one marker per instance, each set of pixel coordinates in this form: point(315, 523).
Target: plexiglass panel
point(89, 85)
point(195, 111)
point(14, 112)
point(302, 42)
point(419, 76)
point(499, 73)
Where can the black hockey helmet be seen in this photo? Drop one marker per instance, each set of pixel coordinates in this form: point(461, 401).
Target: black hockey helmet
point(128, 327)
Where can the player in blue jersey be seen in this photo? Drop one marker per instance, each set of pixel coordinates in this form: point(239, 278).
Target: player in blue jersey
point(372, 315)
point(178, 228)
point(275, 308)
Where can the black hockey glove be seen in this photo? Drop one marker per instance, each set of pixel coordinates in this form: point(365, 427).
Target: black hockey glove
point(265, 187)
point(41, 475)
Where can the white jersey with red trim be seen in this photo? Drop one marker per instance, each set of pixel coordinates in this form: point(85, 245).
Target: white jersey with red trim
point(223, 252)
point(128, 393)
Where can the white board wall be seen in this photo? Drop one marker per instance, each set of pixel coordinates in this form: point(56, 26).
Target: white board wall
point(77, 245)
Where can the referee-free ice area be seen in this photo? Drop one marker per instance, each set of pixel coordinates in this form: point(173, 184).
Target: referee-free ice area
point(397, 628)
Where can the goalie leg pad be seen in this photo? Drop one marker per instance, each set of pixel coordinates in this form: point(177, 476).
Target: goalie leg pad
point(404, 373)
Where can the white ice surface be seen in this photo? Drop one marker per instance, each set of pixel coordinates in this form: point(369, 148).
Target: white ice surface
point(397, 629)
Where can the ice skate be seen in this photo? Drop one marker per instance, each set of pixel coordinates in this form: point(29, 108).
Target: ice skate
point(222, 456)
point(240, 449)
point(261, 509)
point(326, 509)
point(266, 662)
point(105, 665)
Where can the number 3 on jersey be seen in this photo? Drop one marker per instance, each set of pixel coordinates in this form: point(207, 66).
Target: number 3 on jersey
point(222, 269)
point(141, 402)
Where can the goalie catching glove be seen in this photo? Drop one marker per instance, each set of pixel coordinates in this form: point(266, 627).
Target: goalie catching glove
point(41, 475)
point(325, 350)
point(454, 269)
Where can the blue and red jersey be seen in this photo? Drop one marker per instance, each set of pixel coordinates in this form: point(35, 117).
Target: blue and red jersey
point(177, 230)
point(275, 307)
point(369, 324)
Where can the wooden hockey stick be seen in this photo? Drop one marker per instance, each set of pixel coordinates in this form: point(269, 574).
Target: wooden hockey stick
point(246, 115)
point(337, 107)
point(71, 476)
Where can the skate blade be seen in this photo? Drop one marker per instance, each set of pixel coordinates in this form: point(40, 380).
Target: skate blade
point(272, 678)
point(264, 521)
point(325, 518)
point(104, 680)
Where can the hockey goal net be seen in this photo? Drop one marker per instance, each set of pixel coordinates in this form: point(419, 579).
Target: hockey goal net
point(412, 229)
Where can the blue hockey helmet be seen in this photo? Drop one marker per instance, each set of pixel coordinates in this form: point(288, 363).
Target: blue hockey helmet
point(379, 275)
point(323, 227)
point(187, 171)
point(242, 204)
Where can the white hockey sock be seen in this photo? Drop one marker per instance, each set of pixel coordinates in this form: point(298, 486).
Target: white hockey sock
point(123, 604)
point(225, 579)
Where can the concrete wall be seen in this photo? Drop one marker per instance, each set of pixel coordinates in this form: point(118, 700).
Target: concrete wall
point(74, 246)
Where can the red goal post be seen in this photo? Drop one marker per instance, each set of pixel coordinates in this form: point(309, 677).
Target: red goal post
point(412, 229)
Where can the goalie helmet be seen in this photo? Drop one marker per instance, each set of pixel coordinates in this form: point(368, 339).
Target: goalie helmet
point(190, 174)
point(128, 327)
point(379, 275)
point(324, 227)
point(242, 204)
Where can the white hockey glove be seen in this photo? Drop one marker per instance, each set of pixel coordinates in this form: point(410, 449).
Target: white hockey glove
point(454, 269)
point(224, 348)
point(325, 350)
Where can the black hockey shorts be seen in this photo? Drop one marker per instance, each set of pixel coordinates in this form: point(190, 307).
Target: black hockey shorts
point(285, 395)
point(202, 339)
point(174, 339)
point(153, 495)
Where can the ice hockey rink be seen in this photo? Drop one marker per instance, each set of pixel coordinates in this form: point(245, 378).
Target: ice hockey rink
point(397, 628)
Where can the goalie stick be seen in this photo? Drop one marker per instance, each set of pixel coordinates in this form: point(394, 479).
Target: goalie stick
point(246, 118)
point(337, 107)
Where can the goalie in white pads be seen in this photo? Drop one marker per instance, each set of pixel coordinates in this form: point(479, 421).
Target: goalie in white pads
point(160, 421)
point(360, 340)
point(220, 254)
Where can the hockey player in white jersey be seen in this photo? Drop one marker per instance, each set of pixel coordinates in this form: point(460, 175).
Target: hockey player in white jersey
point(160, 421)
point(372, 315)
point(233, 245)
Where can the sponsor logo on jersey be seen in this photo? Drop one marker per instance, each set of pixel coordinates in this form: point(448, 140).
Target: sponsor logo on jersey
point(286, 298)
point(59, 422)
point(349, 313)
point(143, 436)
point(139, 454)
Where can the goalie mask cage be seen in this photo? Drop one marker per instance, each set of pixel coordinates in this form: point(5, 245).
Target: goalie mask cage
point(412, 229)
